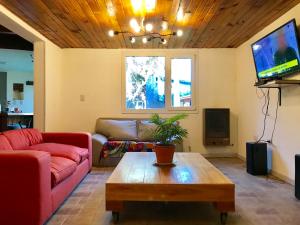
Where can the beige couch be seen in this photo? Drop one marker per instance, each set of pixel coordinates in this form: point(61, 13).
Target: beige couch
point(125, 129)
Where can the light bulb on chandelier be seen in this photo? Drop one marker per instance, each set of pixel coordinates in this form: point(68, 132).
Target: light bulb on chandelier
point(134, 25)
point(179, 33)
point(164, 25)
point(149, 27)
point(163, 41)
point(145, 40)
point(132, 39)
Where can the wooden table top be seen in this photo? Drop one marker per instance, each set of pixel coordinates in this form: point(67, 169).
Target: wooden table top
point(191, 168)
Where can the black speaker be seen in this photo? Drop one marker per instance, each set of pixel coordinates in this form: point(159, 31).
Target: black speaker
point(216, 129)
point(297, 176)
point(257, 158)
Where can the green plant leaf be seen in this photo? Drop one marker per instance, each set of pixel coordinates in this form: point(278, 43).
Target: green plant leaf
point(168, 131)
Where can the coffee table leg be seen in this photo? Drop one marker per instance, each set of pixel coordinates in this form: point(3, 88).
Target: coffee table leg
point(223, 217)
point(116, 207)
point(224, 208)
point(115, 216)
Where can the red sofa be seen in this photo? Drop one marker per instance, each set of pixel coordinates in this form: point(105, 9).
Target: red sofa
point(38, 171)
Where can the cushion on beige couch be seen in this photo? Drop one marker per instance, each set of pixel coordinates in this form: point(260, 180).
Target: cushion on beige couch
point(125, 130)
point(145, 130)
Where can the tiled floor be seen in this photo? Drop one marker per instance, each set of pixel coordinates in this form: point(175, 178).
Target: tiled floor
point(259, 201)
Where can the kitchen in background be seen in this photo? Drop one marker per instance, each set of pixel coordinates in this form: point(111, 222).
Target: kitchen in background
point(16, 81)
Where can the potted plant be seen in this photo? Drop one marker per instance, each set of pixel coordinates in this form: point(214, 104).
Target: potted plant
point(167, 133)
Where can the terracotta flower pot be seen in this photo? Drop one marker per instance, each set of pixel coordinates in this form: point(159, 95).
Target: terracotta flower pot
point(164, 153)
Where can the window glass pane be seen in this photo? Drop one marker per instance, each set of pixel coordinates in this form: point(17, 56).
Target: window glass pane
point(145, 82)
point(181, 76)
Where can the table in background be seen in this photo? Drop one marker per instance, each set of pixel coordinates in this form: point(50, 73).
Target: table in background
point(6, 119)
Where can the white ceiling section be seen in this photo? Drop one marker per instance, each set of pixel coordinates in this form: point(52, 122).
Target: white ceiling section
point(16, 60)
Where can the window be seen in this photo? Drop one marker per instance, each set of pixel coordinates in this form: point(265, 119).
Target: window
point(145, 82)
point(181, 78)
point(159, 83)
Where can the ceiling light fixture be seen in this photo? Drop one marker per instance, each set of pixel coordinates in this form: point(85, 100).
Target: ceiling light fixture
point(145, 40)
point(147, 37)
point(134, 25)
point(164, 25)
point(137, 4)
point(187, 16)
point(180, 14)
point(149, 27)
point(163, 41)
point(150, 5)
point(143, 5)
point(179, 33)
point(132, 39)
point(110, 9)
point(111, 33)
point(145, 32)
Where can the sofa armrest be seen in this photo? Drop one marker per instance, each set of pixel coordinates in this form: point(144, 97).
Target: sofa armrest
point(25, 189)
point(98, 140)
point(82, 140)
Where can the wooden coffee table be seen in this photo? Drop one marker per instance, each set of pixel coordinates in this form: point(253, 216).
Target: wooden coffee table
point(192, 179)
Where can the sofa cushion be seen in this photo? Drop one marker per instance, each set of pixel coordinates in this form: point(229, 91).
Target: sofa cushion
point(61, 168)
point(4, 143)
point(34, 136)
point(145, 130)
point(83, 152)
point(68, 151)
point(17, 139)
point(117, 129)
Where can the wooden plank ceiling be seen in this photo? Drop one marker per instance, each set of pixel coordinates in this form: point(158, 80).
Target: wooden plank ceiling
point(85, 23)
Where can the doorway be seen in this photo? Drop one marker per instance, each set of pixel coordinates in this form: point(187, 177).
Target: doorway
point(16, 81)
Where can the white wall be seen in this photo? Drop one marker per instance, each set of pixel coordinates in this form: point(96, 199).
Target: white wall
point(25, 105)
point(96, 74)
point(53, 87)
point(286, 138)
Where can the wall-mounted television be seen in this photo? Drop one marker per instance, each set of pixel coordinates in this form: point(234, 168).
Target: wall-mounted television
point(277, 54)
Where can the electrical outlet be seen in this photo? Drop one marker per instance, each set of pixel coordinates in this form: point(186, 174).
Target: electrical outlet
point(82, 98)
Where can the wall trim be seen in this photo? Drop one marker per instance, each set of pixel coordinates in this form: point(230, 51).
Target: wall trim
point(283, 177)
point(274, 173)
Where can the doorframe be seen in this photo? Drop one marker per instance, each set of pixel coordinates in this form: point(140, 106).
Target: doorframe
point(18, 26)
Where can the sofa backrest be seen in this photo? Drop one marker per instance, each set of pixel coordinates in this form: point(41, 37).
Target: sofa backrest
point(4, 143)
point(22, 138)
point(133, 129)
point(145, 130)
point(117, 129)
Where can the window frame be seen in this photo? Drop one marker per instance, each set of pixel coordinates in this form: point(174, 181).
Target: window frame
point(168, 85)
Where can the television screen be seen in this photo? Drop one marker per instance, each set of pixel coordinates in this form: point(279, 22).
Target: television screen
point(277, 54)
